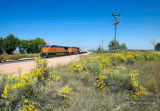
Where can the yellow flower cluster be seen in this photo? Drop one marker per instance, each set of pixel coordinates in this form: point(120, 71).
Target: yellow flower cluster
point(21, 86)
point(13, 78)
point(16, 86)
point(66, 90)
point(149, 56)
point(100, 84)
point(26, 101)
point(29, 108)
point(138, 94)
point(40, 62)
point(108, 69)
point(85, 74)
point(134, 74)
point(76, 67)
point(5, 92)
point(137, 88)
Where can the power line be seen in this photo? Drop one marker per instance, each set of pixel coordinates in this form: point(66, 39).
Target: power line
point(115, 23)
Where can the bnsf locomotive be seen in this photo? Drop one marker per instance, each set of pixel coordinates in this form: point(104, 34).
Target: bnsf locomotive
point(51, 50)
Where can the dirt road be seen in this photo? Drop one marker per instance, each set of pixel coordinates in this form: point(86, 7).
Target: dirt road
point(12, 67)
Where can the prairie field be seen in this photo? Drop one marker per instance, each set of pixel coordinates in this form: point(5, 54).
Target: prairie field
point(121, 81)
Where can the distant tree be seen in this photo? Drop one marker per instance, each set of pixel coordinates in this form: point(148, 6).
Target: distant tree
point(157, 47)
point(99, 50)
point(1, 45)
point(154, 42)
point(39, 44)
point(30, 48)
point(111, 45)
point(118, 46)
point(24, 45)
point(34, 45)
point(21, 46)
point(10, 43)
point(123, 46)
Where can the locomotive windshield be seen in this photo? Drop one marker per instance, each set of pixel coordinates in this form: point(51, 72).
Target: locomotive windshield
point(46, 46)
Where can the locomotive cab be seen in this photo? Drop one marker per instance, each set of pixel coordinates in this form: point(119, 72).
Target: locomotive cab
point(45, 50)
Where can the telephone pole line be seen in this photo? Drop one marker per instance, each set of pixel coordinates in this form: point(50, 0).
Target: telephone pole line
point(115, 23)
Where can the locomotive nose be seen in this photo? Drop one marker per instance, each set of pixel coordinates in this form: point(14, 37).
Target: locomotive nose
point(42, 50)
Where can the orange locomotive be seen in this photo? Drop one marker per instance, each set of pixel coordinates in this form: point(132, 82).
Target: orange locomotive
point(51, 50)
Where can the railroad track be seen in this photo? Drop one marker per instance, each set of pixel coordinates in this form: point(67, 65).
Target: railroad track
point(32, 59)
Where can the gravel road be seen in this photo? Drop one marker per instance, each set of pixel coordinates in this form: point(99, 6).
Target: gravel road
point(27, 65)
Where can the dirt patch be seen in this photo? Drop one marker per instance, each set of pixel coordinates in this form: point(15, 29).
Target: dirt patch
point(27, 66)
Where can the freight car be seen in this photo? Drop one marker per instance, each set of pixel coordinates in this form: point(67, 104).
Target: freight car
point(51, 50)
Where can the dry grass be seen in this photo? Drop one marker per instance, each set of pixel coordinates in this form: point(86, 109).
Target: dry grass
point(81, 56)
point(5, 57)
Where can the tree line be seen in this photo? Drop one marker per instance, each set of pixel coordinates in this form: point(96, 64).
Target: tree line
point(111, 46)
point(11, 43)
point(118, 46)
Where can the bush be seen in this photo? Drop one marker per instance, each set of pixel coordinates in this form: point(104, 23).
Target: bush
point(37, 90)
point(116, 78)
point(15, 57)
point(157, 47)
point(1, 59)
point(149, 56)
point(99, 50)
point(118, 57)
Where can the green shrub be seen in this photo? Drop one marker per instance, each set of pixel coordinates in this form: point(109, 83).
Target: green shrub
point(149, 56)
point(157, 47)
point(15, 57)
point(37, 90)
point(1, 59)
point(99, 50)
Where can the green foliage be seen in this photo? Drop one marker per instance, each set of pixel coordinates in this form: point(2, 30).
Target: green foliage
point(33, 45)
point(111, 45)
point(1, 45)
point(118, 46)
point(10, 43)
point(123, 46)
point(157, 47)
point(1, 58)
point(99, 50)
point(21, 49)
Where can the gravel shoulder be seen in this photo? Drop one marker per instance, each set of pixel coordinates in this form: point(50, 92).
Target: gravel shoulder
point(27, 66)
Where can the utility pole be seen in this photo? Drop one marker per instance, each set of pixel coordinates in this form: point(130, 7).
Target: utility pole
point(115, 23)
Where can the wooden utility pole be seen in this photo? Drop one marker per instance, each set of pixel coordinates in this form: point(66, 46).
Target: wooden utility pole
point(115, 23)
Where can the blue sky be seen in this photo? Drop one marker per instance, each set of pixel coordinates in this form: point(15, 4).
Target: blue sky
point(82, 23)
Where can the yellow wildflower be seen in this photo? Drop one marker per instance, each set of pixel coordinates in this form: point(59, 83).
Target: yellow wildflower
point(26, 100)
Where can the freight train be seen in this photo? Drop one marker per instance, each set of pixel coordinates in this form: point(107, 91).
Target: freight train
point(52, 50)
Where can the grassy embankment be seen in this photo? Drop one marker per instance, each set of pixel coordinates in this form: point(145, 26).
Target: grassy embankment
point(122, 81)
point(4, 57)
